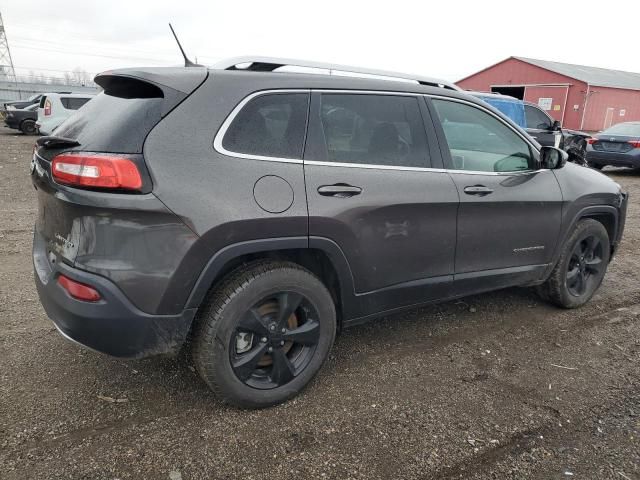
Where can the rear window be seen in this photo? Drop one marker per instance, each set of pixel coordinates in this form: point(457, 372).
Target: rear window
point(73, 103)
point(112, 123)
point(271, 125)
point(628, 129)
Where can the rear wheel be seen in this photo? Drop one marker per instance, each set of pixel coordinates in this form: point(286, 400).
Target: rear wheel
point(581, 267)
point(264, 334)
point(28, 127)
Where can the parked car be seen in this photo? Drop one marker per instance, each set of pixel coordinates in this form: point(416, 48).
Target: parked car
point(258, 212)
point(540, 125)
point(23, 119)
point(21, 104)
point(55, 108)
point(618, 145)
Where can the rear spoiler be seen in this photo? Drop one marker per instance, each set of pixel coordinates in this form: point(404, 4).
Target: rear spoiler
point(172, 84)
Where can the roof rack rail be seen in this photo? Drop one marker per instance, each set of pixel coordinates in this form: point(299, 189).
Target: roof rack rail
point(270, 64)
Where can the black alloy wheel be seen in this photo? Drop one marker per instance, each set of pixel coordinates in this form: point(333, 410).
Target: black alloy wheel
point(275, 340)
point(584, 266)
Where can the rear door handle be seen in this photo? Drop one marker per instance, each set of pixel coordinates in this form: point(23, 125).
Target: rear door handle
point(340, 190)
point(479, 190)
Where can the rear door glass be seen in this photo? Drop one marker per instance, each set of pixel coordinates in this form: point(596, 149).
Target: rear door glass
point(271, 125)
point(373, 129)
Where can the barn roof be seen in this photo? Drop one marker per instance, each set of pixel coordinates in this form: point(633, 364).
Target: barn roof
point(600, 77)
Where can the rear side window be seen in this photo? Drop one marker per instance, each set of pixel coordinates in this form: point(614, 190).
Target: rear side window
point(43, 99)
point(479, 141)
point(73, 103)
point(373, 129)
point(271, 125)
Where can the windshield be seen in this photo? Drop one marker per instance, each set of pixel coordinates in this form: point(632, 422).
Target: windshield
point(33, 97)
point(628, 129)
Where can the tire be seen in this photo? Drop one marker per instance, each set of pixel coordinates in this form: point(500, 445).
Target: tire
point(28, 127)
point(580, 268)
point(235, 330)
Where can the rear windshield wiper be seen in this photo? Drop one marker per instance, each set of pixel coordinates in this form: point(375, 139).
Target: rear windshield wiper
point(52, 141)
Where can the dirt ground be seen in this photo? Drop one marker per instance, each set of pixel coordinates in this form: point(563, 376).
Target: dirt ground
point(498, 386)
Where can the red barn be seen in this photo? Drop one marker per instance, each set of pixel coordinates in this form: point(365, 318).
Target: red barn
point(582, 98)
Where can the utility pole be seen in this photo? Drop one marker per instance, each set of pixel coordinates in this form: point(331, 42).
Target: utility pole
point(7, 71)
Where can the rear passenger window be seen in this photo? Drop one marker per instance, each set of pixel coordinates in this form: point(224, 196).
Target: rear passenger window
point(271, 125)
point(374, 129)
point(73, 103)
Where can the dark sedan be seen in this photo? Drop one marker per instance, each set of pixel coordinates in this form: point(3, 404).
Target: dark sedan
point(618, 145)
point(23, 120)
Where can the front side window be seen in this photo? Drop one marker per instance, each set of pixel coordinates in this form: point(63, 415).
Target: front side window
point(271, 125)
point(536, 118)
point(373, 129)
point(479, 141)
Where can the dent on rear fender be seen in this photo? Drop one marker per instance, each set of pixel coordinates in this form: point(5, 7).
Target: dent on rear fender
point(138, 251)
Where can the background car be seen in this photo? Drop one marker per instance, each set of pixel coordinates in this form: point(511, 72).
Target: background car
point(618, 145)
point(21, 104)
point(55, 108)
point(23, 119)
point(539, 125)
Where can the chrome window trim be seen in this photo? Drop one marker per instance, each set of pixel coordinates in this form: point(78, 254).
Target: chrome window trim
point(217, 141)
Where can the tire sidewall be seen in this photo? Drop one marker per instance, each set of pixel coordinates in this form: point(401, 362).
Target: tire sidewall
point(261, 287)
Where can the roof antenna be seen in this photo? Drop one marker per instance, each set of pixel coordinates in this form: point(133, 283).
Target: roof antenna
point(187, 62)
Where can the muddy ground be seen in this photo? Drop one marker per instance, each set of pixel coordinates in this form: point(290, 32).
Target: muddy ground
point(495, 386)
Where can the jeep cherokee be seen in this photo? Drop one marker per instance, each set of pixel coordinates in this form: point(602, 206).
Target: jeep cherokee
point(256, 210)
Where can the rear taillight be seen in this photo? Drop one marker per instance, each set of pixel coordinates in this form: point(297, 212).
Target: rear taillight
point(635, 143)
point(96, 171)
point(47, 108)
point(78, 290)
point(591, 141)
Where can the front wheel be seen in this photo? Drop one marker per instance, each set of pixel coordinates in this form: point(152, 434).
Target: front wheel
point(264, 334)
point(581, 267)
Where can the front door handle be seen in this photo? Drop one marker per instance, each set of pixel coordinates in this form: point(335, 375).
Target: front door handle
point(340, 190)
point(480, 190)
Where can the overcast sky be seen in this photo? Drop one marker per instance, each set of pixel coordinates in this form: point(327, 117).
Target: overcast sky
point(446, 39)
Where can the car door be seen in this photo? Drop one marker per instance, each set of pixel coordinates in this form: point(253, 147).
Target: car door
point(540, 127)
point(510, 211)
point(372, 189)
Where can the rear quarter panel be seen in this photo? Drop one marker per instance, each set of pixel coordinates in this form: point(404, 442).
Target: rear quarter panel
point(213, 193)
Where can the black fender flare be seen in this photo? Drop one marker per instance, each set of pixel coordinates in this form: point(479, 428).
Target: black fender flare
point(222, 257)
point(583, 213)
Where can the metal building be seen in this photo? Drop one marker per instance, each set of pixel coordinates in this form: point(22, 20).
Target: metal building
point(584, 98)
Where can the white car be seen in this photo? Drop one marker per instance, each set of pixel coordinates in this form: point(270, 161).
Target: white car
point(55, 108)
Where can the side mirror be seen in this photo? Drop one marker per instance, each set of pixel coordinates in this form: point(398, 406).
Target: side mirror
point(556, 126)
point(552, 158)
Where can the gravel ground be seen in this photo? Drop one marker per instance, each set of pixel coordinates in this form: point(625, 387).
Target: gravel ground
point(496, 386)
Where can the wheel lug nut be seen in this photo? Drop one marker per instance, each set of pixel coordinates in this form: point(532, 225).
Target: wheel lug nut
point(271, 349)
point(281, 343)
point(284, 330)
point(263, 339)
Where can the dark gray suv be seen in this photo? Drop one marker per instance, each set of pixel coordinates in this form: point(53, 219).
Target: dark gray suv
point(250, 213)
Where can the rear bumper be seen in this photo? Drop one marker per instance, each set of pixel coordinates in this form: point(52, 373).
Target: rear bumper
point(631, 159)
point(112, 325)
